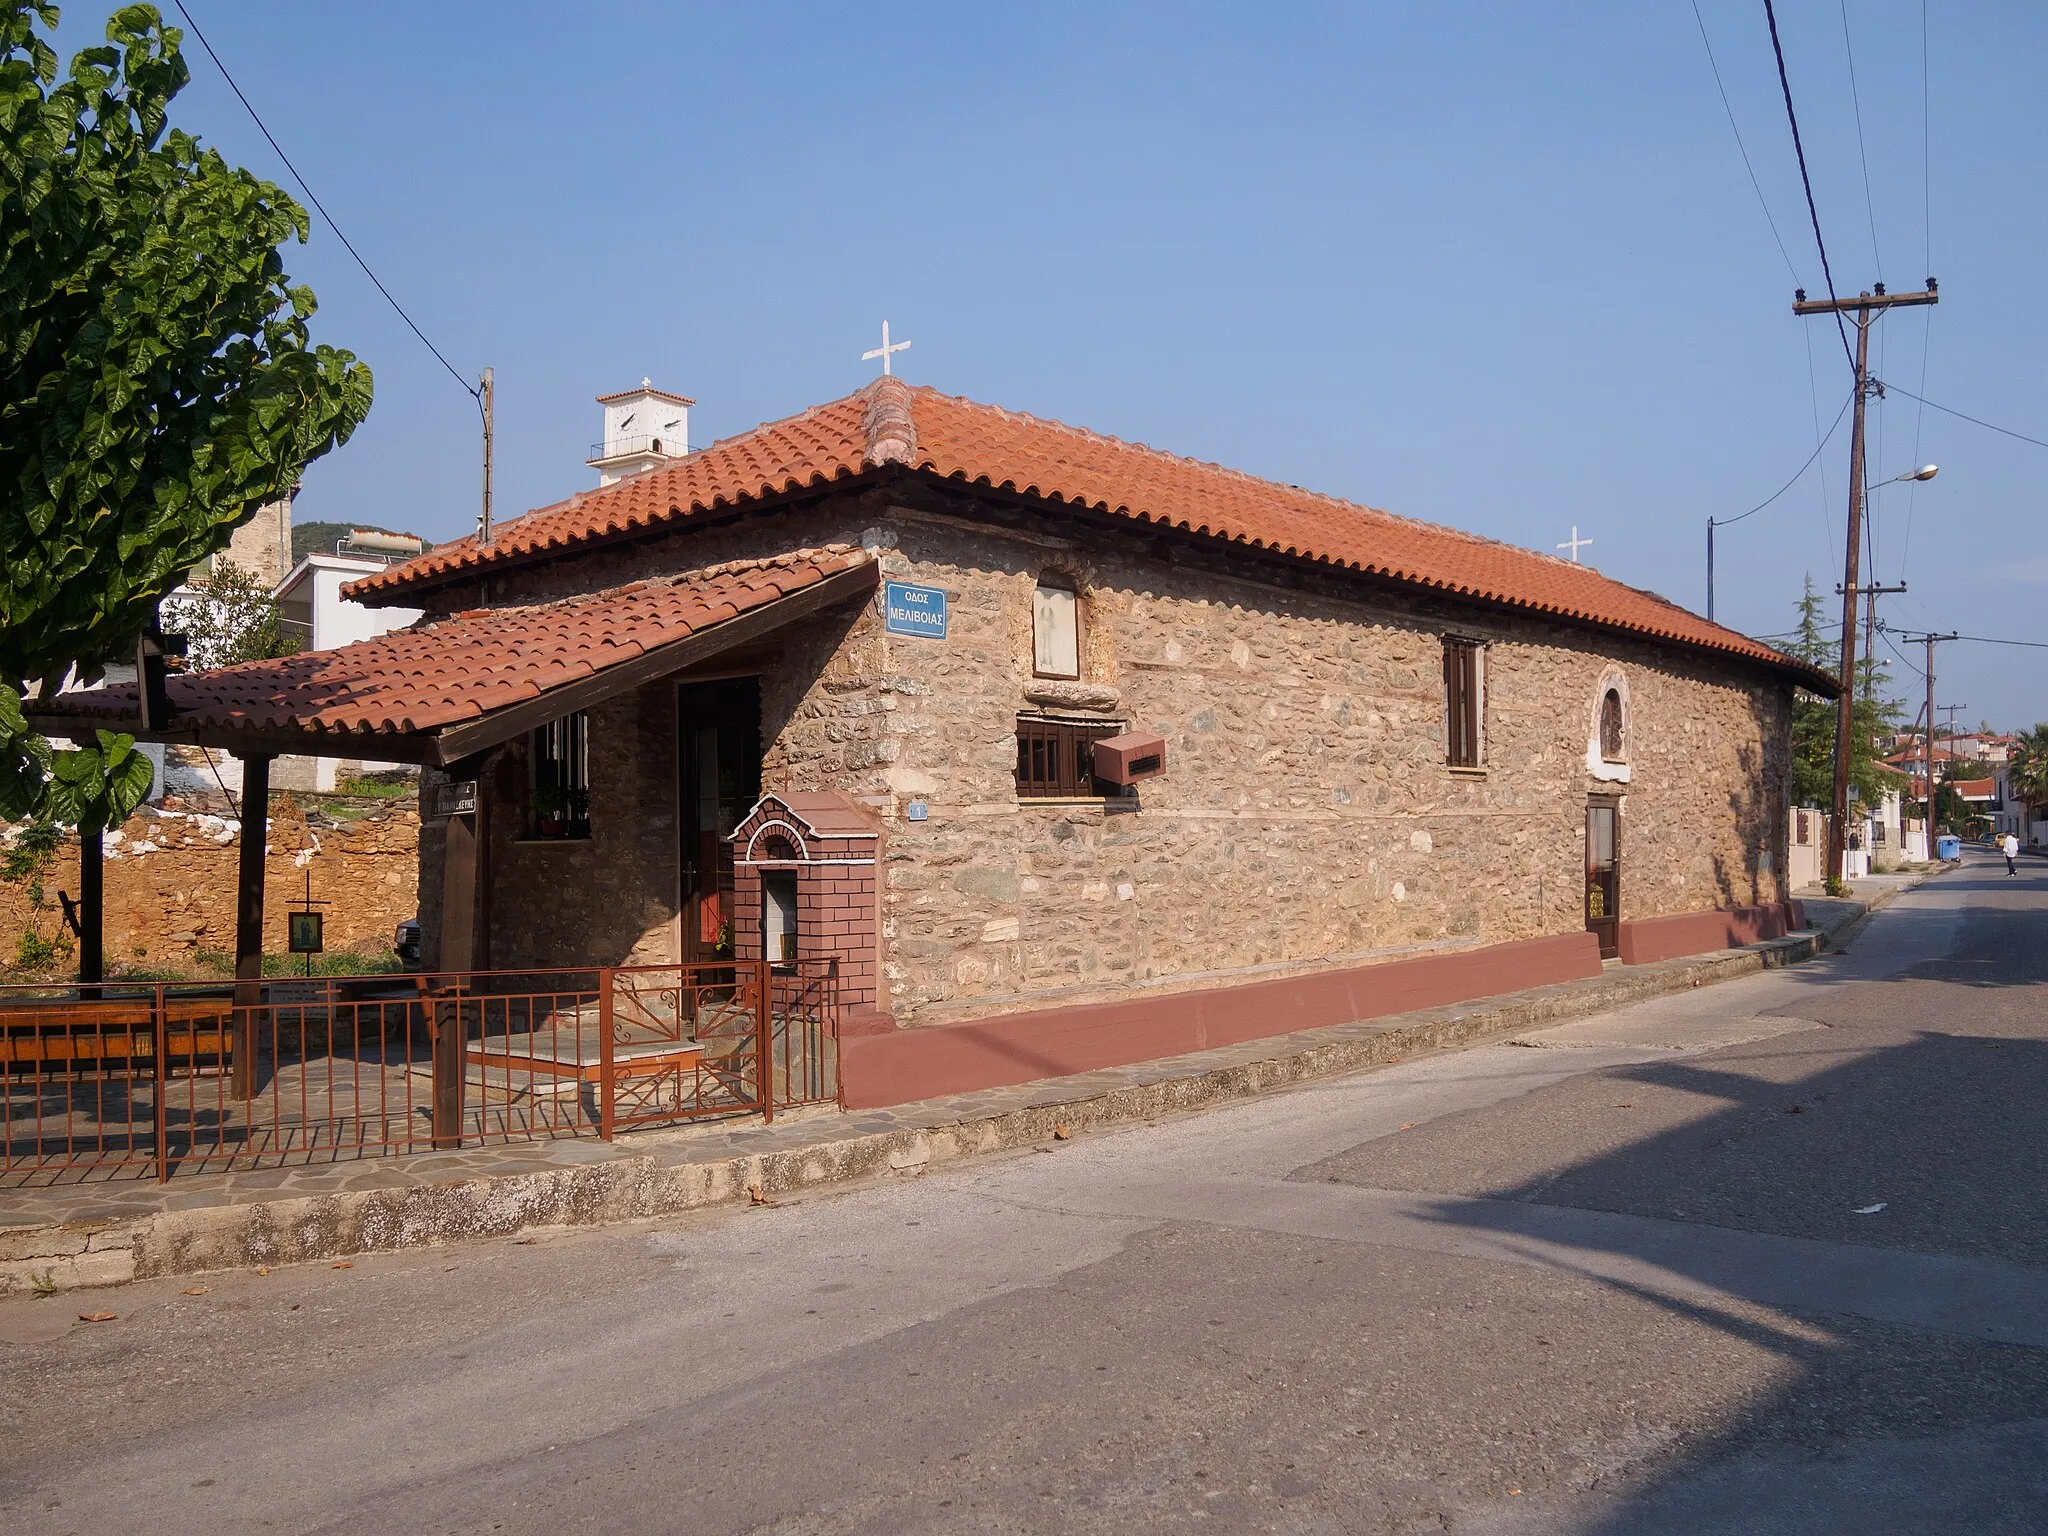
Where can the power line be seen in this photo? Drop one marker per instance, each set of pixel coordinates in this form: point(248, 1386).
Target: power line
point(1909, 664)
point(2031, 645)
point(468, 388)
point(1812, 211)
point(1927, 265)
point(1723, 522)
point(1740, 147)
point(1862, 151)
point(1965, 416)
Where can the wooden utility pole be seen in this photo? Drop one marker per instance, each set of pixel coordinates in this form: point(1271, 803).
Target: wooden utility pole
point(1865, 308)
point(483, 522)
point(1927, 741)
point(1873, 593)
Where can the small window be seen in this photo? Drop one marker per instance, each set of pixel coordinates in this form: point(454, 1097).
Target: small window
point(1610, 726)
point(1464, 697)
point(1055, 632)
point(778, 916)
point(559, 797)
point(1056, 758)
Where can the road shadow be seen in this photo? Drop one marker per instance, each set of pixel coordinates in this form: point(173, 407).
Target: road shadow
point(1944, 1131)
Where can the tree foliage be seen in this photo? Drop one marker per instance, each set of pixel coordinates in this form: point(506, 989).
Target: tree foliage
point(227, 616)
point(156, 379)
point(157, 382)
point(1814, 719)
point(2027, 773)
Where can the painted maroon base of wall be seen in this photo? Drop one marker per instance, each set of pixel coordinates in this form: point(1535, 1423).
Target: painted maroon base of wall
point(1696, 933)
point(901, 1065)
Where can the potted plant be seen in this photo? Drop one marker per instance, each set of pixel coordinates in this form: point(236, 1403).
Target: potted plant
point(550, 810)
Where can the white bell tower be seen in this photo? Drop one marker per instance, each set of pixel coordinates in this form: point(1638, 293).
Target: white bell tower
point(643, 428)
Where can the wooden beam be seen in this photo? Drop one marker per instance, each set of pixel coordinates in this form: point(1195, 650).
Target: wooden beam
point(501, 725)
point(249, 921)
point(92, 905)
point(1867, 301)
point(271, 741)
point(458, 954)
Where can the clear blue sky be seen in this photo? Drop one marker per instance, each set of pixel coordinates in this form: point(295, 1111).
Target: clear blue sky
point(1497, 266)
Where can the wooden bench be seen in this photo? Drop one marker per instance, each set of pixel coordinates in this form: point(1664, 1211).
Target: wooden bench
point(112, 1035)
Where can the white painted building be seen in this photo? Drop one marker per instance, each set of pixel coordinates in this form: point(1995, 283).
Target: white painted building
point(313, 608)
point(309, 600)
point(643, 428)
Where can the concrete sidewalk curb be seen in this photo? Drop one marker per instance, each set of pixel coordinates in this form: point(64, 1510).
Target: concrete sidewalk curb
point(665, 1179)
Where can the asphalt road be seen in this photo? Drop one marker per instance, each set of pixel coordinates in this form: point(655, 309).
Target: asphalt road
point(1766, 1257)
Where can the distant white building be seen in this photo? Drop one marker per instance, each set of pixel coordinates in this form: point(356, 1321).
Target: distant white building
point(643, 428)
point(309, 600)
point(313, 608)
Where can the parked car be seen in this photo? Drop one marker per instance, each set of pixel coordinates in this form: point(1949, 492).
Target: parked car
point(405, 939)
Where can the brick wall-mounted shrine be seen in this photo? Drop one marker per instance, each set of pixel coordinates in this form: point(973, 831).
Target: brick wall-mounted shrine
point(804, 889)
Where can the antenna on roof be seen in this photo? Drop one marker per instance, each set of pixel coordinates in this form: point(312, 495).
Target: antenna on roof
point(884, 350)
point(483, 522)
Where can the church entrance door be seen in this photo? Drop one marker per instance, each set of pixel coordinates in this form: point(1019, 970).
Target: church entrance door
point(718, 727)
point(1603, 873)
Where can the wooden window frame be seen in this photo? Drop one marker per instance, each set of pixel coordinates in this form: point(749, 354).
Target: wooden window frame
point(1053, 757)
point(558, 779)
point(1464, 703)
point(1617, 751)
point(1072, 590)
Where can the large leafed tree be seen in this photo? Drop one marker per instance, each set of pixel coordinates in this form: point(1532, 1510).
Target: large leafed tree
point(157, 382)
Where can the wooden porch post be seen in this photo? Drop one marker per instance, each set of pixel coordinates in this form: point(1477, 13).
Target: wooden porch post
point(460, 911)
point(91, 905)
point(249, 921)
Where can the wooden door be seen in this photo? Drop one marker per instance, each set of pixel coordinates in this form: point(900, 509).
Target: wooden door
point(1603, 873)
point(718, 746)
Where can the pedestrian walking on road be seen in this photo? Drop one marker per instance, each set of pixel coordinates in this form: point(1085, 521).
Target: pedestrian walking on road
point(2011, 849)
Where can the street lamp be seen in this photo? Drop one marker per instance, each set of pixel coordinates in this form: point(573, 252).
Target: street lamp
point(1924, 472)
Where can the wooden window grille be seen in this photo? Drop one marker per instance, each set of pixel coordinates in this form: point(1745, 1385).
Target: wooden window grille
point(1056, 758)
point(1464, 684)
point(558, 798)
point(1610, 726)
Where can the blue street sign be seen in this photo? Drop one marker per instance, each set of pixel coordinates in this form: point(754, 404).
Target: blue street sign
point(912, 610)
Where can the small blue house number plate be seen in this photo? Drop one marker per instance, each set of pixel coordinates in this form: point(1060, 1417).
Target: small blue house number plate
point(909, 610)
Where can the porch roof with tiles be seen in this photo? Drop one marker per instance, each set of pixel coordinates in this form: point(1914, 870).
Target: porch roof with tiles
point(440, 691)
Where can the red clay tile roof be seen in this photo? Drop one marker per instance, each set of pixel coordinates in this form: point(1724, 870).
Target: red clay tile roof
point(944, 435)
point(413, 681)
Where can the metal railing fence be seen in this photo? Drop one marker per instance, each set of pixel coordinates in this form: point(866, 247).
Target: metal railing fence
point(159, 1077)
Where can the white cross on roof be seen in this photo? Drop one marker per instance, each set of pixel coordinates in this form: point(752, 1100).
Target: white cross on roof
point(1575, 544)
point(884, 349)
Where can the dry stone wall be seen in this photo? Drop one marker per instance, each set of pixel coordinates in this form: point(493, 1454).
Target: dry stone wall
point(170, 881)
point(1307, 816)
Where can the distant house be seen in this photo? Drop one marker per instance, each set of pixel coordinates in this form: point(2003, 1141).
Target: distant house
point(315, 611)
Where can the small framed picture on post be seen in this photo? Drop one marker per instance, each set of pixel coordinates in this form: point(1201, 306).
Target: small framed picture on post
point(302, 932)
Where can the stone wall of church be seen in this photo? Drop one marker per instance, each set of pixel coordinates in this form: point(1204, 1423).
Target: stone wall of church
point(1307, 816)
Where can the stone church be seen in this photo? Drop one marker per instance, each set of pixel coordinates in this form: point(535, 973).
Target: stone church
point(1063, 751)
